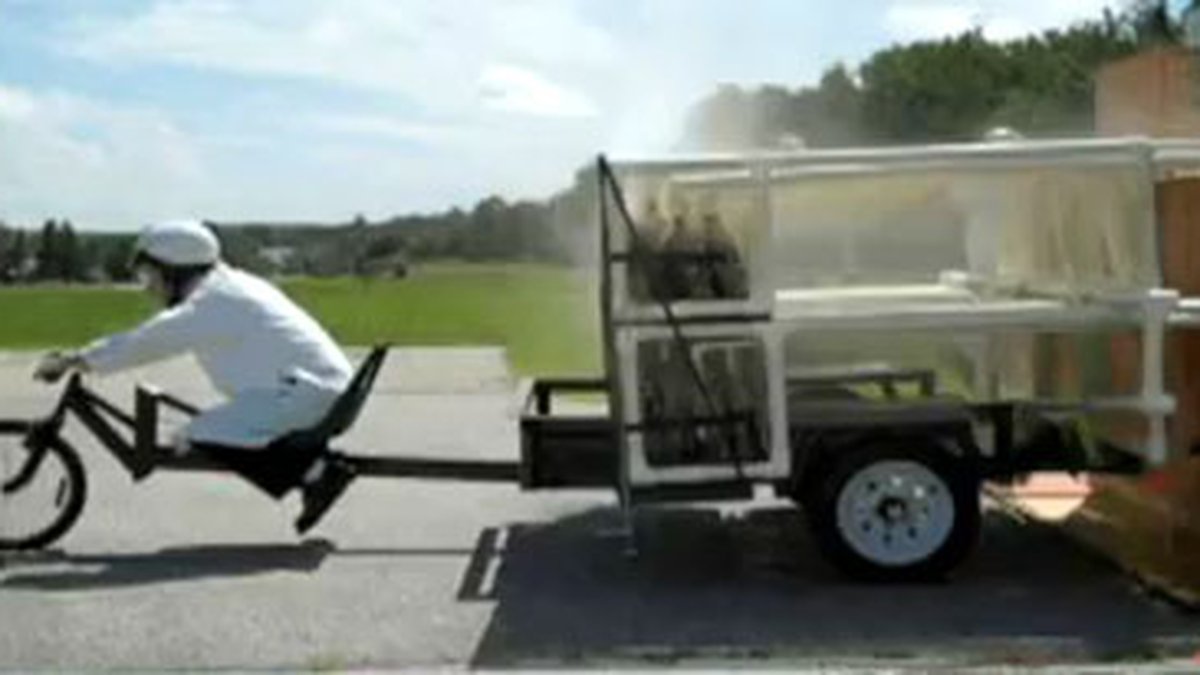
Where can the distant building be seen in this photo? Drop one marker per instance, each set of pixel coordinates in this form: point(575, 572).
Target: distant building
point(1002, 135)
point(26, 268)
point(278, 256)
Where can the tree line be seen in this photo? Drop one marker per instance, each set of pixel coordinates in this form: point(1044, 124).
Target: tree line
point(494, 230)
point(952, 89)
point(935, 90)
point(57, 252)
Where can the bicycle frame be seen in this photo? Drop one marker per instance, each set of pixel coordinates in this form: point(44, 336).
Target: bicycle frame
point(141, 456)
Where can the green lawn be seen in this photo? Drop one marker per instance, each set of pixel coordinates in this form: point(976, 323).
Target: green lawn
point(546, 316)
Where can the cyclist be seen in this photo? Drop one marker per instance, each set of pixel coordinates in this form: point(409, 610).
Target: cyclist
point(279, 370)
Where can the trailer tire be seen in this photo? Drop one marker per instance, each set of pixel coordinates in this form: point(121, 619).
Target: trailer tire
point(895, 511)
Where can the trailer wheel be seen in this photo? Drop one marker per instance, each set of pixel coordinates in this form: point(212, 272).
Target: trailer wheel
point(891, 512)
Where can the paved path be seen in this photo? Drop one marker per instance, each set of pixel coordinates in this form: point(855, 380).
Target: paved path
point(198, 570)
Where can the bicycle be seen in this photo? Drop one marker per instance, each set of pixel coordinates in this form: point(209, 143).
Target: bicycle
point(43, 480)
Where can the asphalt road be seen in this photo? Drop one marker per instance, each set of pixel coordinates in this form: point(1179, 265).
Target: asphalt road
point(200, 571)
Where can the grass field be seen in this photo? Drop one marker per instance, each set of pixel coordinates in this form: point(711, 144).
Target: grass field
point(545, 316)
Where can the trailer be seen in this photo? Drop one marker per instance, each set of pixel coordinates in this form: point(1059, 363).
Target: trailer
point(874, 334)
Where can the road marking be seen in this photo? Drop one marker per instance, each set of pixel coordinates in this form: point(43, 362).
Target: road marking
point(487, 586)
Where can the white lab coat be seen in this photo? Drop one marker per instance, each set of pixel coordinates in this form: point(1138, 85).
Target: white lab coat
point(279, 370)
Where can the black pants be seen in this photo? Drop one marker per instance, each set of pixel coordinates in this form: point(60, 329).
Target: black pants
point(275, 469)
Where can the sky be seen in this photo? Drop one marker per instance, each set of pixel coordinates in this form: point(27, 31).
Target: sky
point(114, 114)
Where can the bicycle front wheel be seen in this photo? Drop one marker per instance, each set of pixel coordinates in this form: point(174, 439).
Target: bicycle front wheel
point(42, 488)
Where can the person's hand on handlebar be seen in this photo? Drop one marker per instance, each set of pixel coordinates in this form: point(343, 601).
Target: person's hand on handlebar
point(56, 364)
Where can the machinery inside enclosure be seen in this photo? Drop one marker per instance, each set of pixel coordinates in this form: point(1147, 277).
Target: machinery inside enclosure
point(740, 288)
point(679, 425)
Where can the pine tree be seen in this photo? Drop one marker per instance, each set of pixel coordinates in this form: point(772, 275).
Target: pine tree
point(48, 259)
point(16, 257)
point(70, 260)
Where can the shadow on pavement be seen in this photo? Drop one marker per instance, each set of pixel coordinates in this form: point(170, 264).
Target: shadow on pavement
point(66, 572)
point(56, 570)
point(708, 588)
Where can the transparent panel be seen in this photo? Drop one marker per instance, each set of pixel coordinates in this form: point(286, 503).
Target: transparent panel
point(1004, 234)
point(998, 366)
point(1042, 228)
point(701, 234)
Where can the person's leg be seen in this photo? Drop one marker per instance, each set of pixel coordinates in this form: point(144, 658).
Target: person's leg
point(244, 434)
point(249, 420)
point(274, 470)
point(257, 425)
point(328, 476)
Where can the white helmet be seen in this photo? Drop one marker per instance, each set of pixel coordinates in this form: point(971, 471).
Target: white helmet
point(179, 243)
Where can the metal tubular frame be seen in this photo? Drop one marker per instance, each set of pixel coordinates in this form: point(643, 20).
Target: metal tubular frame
point(143, 454)
point(1151, 312)
point(618, 331)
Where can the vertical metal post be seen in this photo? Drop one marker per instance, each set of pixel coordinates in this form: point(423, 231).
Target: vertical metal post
point(761, 267)
point(616, 403)
point(1154, 229)
point(775, 364)
point(1156, 401)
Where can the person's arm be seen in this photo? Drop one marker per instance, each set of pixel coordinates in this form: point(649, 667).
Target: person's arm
point(168, 333)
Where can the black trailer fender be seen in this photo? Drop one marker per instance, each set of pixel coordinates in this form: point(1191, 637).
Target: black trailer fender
point(815, 449)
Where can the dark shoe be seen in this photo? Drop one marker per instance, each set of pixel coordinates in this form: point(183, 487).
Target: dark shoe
point(321, 495)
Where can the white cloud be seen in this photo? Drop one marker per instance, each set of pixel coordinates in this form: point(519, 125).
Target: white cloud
point(541, 31)
point(383, 127)
point(998, 19)
point(917, 21)
point(514, 89)
point(16, 105)
point(434, 53)
point(68, 156)
point(417, 104)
